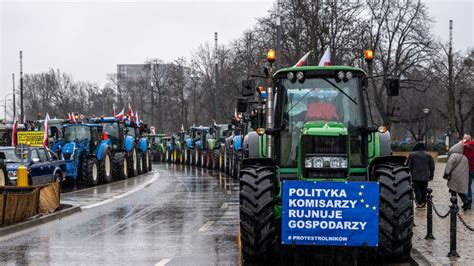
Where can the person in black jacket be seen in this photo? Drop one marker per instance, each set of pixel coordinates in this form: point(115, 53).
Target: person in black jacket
point(422, 168)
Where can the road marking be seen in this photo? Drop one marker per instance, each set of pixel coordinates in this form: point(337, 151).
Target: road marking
point(206, 226)
point(163, 262)
point(224, 205)
point(153, 179)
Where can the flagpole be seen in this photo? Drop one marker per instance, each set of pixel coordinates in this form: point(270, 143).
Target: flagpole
point(278, 41)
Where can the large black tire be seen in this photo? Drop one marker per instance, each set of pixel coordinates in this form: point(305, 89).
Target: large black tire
point(257, 222)
point(132, 161)
point(139, 163)
point(396, 212)
point(90, 171)
point(146, 162)
point(105, 168)
point(120, 166)
point(156, 155)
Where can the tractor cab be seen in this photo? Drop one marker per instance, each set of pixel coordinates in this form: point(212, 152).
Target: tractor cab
point(54, 129)
point(114, 128)
point(6, 131)
point(199, 135)
point(321, 120)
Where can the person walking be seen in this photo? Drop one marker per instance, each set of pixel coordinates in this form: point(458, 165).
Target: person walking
point(469, 153)
point(456, 172)
point(422, 167)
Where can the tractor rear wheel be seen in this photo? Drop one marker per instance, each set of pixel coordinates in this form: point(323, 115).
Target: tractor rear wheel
point(146, 161)
point(90, 171)
point(105, 168)
point(120, 166)
point(396, 212)
point(257, 222)
point(139, 163)
point(132, 161)
point(155, 155)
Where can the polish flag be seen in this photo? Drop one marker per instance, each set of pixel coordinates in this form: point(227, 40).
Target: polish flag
point(68, 118)
point(326, 59)
point(113, 107)
point(302, 61)
point(73, 117)
point(119, 115)
point(45, 130)
point(137, 122)
point(182, 128)
point(152, 130)
point(130, 112)
point(14, 132)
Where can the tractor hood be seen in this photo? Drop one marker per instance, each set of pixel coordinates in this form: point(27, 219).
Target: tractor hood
point(323, 128)
point(68, 148)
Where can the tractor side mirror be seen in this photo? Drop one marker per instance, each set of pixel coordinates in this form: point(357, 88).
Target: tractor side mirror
point(248, 87)
point(393, 86)
point(242, 105)
point(2, 156)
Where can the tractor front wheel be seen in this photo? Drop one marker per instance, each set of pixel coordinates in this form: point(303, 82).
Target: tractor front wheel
point(396, 212)
point(257, 222)
point(90, 171)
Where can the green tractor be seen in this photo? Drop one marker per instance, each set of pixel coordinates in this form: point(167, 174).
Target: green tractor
point(317, 131)
point(154, 141)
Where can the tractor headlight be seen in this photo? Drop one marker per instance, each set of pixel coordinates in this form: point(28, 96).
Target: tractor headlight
point(340, 75)
point(318, 162)
point(335, 163)
point(348, 75)
point(325, 162)
point(290, 76)
point(300, 76)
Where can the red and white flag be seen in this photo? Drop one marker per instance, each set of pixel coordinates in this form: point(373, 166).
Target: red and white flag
point(130, 112)
point(302, 60)
point(137, 122)
point(73, 117)
point(326, 59)
point(119, 115)
point(152, 130)
point(14, 132)
point(45, 131)
point(113, 107)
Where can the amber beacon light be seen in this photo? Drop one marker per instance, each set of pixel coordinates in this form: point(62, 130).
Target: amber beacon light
point(368, 55)
point(271, 56)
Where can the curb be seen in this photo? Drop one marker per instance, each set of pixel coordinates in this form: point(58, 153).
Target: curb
point(417, 258)
point(10, 229)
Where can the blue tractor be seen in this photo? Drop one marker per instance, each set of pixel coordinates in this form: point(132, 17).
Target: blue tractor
point(198, 145)
point(138, 151)
point(88, 157)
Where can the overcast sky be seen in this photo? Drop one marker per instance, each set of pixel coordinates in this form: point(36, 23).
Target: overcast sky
point(88, 39)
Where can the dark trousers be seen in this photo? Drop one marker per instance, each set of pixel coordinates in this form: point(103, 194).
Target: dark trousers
point(420, 191)
point(462, 196)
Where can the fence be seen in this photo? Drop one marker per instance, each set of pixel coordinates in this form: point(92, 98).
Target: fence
point(454, 215)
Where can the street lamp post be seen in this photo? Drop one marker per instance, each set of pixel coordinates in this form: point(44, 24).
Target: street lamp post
point(426, 111)
point(5, 105)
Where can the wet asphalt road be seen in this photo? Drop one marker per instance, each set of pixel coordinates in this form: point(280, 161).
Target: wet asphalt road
point(177, 215)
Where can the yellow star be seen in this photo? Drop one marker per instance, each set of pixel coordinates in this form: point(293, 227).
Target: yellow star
point(362, 186)
point(367, 205)
point(360, 193)
point(362, 200)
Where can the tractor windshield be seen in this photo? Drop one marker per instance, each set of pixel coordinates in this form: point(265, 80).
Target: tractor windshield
point(112, 130)
point(316, 99)
point(73, 133)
